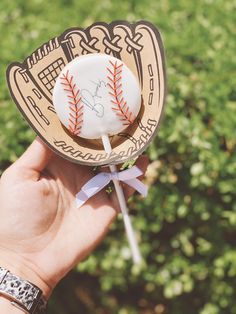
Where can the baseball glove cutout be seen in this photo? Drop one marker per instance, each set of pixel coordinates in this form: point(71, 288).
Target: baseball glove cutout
point(135, 49)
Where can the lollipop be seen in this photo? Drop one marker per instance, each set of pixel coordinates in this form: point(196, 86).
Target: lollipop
point(97, 96)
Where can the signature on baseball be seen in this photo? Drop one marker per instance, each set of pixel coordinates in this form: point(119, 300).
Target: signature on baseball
point(93, 100)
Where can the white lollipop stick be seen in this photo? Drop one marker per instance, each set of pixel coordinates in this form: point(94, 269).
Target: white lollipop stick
point(122, 202)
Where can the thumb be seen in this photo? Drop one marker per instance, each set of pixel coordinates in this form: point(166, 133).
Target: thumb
point(36, 157)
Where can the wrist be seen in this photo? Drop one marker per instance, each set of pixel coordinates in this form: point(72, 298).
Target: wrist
point(26, 270)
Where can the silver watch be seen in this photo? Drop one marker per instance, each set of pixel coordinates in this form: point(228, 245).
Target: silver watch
point(22, 294)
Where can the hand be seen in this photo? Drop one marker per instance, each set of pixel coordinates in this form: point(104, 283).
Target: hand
point(42, 234)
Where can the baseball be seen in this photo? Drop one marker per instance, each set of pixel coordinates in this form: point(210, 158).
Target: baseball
point(96, 95)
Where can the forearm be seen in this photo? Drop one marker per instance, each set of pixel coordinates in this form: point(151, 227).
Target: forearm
point(7, 308)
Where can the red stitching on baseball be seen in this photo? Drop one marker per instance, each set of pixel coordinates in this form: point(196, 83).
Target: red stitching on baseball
point(75, 104)
point(115, 84)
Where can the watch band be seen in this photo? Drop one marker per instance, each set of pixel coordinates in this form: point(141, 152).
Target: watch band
point(22, 294)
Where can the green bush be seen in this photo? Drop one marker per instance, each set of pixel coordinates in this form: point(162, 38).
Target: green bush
point(186, 225)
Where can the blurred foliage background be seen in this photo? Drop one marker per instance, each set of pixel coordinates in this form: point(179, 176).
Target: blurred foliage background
point(187, 224)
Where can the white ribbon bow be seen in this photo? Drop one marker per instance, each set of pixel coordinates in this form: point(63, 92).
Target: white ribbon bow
point(97, 183)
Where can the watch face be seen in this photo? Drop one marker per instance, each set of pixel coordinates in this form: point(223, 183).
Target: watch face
point(138, 46)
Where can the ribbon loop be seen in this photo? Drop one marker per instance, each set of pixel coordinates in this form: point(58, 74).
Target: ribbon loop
point(97, 183)
point(129, 174)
